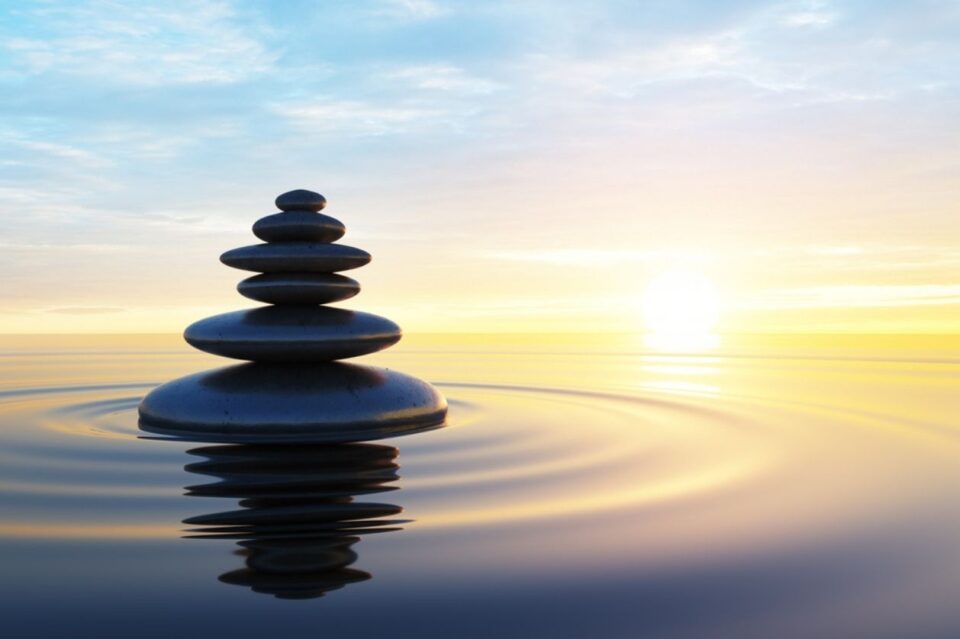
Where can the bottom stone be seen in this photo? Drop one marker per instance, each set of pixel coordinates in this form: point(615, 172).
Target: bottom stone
point(292, 403)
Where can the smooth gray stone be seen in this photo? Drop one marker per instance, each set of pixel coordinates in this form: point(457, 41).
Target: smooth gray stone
point(300, 200)
point(295, 257)
point(298, 288)
point(299, 226)
point(292, 334)
point(292, 403)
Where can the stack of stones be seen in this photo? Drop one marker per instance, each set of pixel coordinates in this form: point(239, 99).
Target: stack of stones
point(295, 391)
point(298, 267)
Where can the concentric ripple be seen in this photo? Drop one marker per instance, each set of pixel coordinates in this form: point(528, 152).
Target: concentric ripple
point(512, 454)
point(546, 448)
point(813, 486)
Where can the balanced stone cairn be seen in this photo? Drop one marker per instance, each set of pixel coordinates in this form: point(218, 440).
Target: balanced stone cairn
point(294, 391)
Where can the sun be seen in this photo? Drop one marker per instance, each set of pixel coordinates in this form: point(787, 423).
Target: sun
point(681, 309)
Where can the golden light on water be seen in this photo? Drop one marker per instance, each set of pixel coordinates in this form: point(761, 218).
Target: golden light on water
point(681, 308)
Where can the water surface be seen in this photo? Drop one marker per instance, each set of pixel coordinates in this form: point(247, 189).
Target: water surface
point(787, 487)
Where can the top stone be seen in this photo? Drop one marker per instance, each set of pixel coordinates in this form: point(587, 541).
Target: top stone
point(300, 200)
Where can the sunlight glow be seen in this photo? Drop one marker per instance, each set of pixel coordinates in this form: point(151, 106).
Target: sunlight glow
point(681, 309)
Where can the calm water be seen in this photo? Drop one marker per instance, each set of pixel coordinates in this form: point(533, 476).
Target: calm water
point(766, 488)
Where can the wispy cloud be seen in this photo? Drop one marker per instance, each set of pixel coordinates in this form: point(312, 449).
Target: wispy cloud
point(443, 77)
point(65, 152)
point(413, 9)
point(809, 14)
point(358, 118)
point(85, 310)
point(597, 257)
point(809, 19)
point(856, 296)
point(64, 245)
point(140, 43)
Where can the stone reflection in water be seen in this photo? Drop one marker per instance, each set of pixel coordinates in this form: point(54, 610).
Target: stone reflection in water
point(301, 511)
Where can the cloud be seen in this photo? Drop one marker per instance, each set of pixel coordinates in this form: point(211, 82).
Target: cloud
point(164, 218)
point(443, 77)
point(65, 152)
point(856, 296)
point(139, 43)
point(808, 14)
point(835, 250)
point(85, 310)
point(411, 9)
point(64, 245)
point(809, 19)
point(934, 259)
point(358, 118)
point(771, 58)
point(596, 257)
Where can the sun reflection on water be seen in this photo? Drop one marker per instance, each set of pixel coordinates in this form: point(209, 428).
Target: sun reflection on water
point(681, 342)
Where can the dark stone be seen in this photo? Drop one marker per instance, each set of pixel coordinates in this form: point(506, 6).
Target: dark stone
point(295, 257)
point(299, 226)
point(292, 403)
point(292, 334)
point(300, 200)
point(298, 288)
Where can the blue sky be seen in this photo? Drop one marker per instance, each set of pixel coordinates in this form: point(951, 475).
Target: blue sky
point(511, 165)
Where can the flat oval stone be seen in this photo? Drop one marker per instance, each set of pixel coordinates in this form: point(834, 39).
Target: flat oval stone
point(294, 257)
point(292, 403)
point(300, 200)
point(298, 288)
point(299, 226)
point(292, 334)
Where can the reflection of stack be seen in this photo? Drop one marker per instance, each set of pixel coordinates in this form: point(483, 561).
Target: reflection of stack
point(298, 520)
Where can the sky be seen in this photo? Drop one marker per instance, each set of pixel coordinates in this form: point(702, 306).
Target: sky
point(516, 166)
